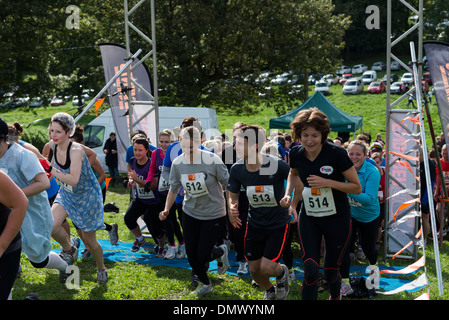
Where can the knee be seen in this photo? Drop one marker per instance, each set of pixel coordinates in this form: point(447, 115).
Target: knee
point(311, 271)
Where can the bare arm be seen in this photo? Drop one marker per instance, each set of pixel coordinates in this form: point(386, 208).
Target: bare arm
point(11, 197)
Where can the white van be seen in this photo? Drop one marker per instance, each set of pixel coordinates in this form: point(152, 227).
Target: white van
point(369, 76)
point(353, 86)
point(97, 131)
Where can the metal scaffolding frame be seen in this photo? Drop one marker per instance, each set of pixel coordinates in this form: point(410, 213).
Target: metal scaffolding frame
point(419, 149)
point(153, 98)
point(410, 252)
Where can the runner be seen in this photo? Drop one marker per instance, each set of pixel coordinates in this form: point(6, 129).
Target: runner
point(325, 174)
point(156, 181)
point(202, 175)
point(13, 207)
point(23, 167)
point(262, 176)
point(237, 235)
point(144, 202)
point(365, 212)
point(80, 195)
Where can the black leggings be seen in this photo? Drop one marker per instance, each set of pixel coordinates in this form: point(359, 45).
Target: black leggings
point(336, 231)
point(367, 234)
point(150, 217)
point(9, 266)
point(200, 237)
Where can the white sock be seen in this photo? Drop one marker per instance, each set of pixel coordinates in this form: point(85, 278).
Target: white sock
point(56, 262)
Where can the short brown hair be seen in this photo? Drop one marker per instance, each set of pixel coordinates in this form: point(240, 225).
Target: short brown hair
point(312, 117)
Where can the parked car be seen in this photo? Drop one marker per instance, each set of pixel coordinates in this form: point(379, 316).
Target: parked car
point(359, 68)
point(376, 87)
point(407, 78)
point(426, 77)
point(331, 79)
point(323, 87)
point(425, 86)
point(397, 88)
point(393, 78)
point(36, 102)
point(343, 69)
point(378, 66)
point(369, 76)
point(57, 101)
point(395, 66)
point(280, 79)
point(345, 77)
point(76, 102)
point(312, 79)
point(353, 86)
point(296, 89)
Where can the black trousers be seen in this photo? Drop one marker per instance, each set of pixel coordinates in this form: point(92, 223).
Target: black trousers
point(200, 238)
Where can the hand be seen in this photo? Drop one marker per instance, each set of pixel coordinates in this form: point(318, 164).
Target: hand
point(234, 215)
point(285, 202)
point(163, 215)
point(318, 182)
point(292, 211)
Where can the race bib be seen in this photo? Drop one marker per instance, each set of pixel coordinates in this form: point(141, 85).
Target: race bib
point(142, 194)
point(194, 184)
point(261, 196)
point(163, 184)
point(319, 202)
point(66, 186)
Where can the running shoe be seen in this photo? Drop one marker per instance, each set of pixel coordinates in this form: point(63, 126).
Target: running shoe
point(346, 289)
point(102, 276)
point(223, 267)
point(71, 256)
point(291, 276)
point(360, 254)
point(282, 286)
point(243, 268)
point(75, 242)
point(171, 253)
point(161, 252)
point(137, 244)
point(85, 254)
point(269, 295)
point(203, 289)
point(181, 254)
point(113, 234)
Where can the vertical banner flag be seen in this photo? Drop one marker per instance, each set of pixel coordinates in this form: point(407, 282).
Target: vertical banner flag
point(114, 57)
point(438, 59)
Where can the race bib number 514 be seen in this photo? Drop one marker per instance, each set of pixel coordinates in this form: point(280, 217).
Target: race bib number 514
point(319, 202)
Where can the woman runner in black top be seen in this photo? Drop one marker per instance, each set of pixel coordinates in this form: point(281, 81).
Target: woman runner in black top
point(325, 174)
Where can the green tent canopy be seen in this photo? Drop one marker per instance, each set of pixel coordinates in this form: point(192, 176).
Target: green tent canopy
point(339, 121)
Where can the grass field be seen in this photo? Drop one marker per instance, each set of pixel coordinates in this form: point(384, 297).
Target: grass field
point(132, 281)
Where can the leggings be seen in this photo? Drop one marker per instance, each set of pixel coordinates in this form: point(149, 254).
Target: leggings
point(237, 235)
point(150, 217)
point(9, 266)
point(200, 237)
point(367, 234)
point(336, 231)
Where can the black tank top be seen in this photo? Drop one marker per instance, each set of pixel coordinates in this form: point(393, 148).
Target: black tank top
point(17, 242)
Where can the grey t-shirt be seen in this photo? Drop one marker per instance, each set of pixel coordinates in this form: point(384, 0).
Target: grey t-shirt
point(203, 182)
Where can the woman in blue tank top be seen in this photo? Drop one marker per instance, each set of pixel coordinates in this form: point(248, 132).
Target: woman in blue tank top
point(80, 196)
